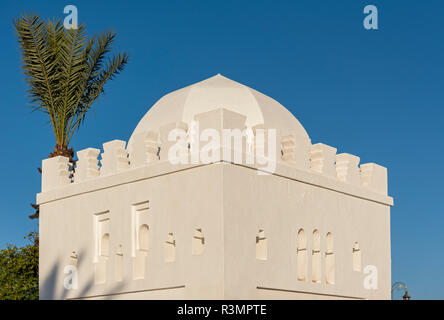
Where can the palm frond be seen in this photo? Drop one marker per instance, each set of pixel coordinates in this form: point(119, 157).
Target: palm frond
point(39, 63)
point(65, 70)
point(112, 68)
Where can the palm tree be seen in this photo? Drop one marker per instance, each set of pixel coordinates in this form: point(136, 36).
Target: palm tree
point(65, 72)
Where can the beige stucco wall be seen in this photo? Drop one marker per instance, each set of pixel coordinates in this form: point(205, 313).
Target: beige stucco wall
point(281, 206)
point(179, 203)
point(230, 203)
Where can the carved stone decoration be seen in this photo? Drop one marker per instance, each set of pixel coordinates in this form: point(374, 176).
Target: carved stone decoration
point(374, 177)
point(288, 149)
point(56, 172)
point(145, 149)
point(323, 159)
point(87, 164)
point(347, 168)
point(174, 135)
point(114, 157)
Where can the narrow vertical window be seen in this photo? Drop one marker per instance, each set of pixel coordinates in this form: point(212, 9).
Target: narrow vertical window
point(316, 257)
point(261, 246)
point(144, 237)
point(170, 248)
point(140, 236)
point(118, 268)
point(356, 257)
point(102, 245)
point(329, 260)
point(301, 255)
point(198, 243)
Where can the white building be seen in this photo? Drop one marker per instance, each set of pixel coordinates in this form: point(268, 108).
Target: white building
point(311, 224)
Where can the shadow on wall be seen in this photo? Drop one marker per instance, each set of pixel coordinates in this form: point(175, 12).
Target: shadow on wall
point(53, 286)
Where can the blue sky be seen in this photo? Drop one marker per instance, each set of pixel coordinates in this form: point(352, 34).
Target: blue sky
point(377, 94)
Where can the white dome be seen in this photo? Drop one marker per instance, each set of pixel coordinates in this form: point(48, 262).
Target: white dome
point(220, 92)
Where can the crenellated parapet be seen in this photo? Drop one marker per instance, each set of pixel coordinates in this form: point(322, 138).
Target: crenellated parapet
point(323, 159)
point(114, 157)
point(289, 149)
point(145, 149)
point(174, 135)
point(374, 177)
point(295, 152)
point(87, 164)
point(215, 136)
point(260, 140)
point(56, 172)
point(347, 168)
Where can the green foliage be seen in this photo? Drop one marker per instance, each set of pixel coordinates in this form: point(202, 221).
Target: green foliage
point(65, 71)
point(19, 271)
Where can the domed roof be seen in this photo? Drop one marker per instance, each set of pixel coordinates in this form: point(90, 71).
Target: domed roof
point(220, 92)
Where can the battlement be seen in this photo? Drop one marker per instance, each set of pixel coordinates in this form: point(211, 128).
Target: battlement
point(197, 204)
point(180, 143)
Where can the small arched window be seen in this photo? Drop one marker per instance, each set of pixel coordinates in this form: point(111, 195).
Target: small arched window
point(104, 245)
point(316, 257)
point(356, 257)
point(144, 237)
point(329, 260)
point(198, 243)
point(301, 255)
point(261, 246)
point(139, 261)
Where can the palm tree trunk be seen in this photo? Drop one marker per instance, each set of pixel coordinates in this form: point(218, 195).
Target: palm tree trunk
point(61, 150)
